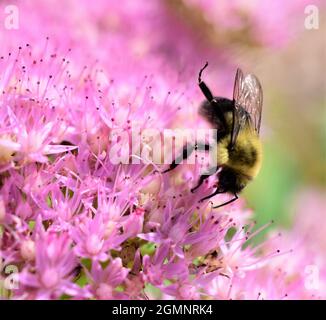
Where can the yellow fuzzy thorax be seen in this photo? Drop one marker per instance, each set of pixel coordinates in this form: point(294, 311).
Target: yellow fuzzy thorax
point(246, 158)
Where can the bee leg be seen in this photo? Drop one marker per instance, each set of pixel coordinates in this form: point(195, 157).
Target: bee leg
point(186, 152)
point(211, 195)
point(205, 90)
point(203, 177)
point(209, 96)
point(228, 202)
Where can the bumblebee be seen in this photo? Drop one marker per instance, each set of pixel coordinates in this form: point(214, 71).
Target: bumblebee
point(238, 155)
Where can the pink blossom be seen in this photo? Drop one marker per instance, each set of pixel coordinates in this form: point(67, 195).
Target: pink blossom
point(81, 223)
point(51, 275)
point(90, 239)
point(105, 280)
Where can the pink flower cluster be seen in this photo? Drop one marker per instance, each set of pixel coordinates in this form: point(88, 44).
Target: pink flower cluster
point(75, 225)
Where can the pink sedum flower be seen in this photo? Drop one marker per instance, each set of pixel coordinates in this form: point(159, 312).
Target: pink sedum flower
point(53, 271)
point(104, 281)
point(89, 236)
point(85, 213)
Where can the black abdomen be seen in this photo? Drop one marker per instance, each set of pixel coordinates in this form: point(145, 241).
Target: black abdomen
point(216, 115)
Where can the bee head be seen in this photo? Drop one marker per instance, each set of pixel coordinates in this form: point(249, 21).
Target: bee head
point(231, 181)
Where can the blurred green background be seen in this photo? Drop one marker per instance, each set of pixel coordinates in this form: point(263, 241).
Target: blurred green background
point(294, 120)
point(293, 77)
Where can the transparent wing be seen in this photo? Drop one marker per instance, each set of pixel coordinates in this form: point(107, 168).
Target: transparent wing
point(248, 102)
point(250, 98)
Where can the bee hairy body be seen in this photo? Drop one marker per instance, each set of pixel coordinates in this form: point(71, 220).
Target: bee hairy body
point(237, 150)
point(241, 163)
point(245, 157)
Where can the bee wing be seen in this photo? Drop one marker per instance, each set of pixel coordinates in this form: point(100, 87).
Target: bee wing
point(251, 99)
point(238, 83)
point(248, 102)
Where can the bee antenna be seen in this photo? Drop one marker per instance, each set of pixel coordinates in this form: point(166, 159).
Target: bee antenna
point(201, 71)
